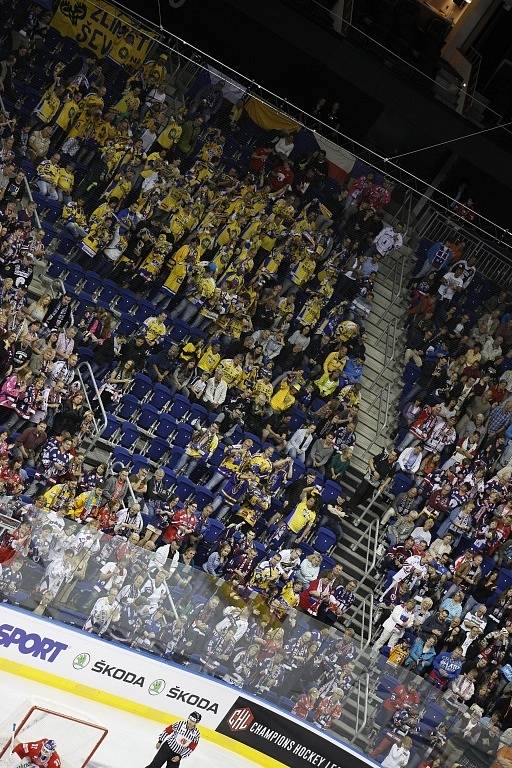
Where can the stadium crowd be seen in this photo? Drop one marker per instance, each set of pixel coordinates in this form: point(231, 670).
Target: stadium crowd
point(218, 285)
point(446, 592)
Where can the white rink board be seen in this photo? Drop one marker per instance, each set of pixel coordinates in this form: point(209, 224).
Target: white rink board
point(130, 742)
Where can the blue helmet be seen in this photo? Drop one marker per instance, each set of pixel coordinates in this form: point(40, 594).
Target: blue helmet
point(50, 746)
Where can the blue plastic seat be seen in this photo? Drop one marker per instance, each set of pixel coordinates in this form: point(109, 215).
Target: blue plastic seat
point(129, 435)
point(213, 530)
point(203, 496)
point(121, 458)
point(166, 428)
point(183, 435)
point(92, 282)
point(109, 290)
point(176, 454)
point(126, 302)
point(66, 246)
point(112, 427)
point(75, 278)
point(180, 407)
point(325, 540)
point(179, 331)
point(147, 418)
point(216, 457)
point(255, 439)
point(58, 268)
point(327, 563)
point(157, 450)
point(161, 397)
point(85, 353)
point(170, 480)
point(185, 488)
point(139, 461)
point(141, 386)
point(331, 491)
point(199, 413)
point(127, 326)
point(401, 483)
point(144, 310)
point(298, 418)
point(127, 407)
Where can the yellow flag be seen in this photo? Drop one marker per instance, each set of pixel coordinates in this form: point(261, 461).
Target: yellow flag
point(103, 30)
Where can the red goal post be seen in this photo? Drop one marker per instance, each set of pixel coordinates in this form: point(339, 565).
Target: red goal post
point(38, 722)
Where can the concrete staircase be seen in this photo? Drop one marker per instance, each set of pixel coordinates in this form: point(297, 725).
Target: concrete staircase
point(381, 386)
point(381, 382)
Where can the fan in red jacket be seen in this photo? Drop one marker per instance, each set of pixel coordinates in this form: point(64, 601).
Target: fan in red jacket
point(42, 753)
point(402, 697)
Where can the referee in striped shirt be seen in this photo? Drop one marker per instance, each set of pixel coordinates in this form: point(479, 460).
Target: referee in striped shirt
point(176, 742)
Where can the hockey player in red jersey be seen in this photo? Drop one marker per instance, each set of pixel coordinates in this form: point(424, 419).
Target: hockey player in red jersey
point(42, 753)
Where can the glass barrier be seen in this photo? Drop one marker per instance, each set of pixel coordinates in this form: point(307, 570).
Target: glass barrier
point(248, 637)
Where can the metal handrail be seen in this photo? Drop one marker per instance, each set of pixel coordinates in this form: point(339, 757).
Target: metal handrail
point(363, 679)
point(494, 264)
point(98, 430)
point(365, 607)
point(371, 536)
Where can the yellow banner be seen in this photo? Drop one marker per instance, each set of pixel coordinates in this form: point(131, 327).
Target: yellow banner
point(102, 29)
point(268, 118)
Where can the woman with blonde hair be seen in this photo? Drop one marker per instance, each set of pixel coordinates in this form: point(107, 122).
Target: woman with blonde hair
point(398, 755)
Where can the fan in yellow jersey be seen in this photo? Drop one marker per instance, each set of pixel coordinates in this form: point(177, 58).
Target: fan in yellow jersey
point(170, 135)
point(48, 176)
point(129, 103)
point(73, 215)
point(66, 182)
point(99, 236)
point(155, 72)
point(202, 288)
point(301, 272)
point(49, 104)
point(181, 260)
point(146, 275)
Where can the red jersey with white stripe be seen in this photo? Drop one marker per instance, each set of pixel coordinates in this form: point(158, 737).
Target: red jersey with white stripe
point(32, 750)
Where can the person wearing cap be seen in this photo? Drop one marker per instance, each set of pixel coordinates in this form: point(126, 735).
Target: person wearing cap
point(178, 740)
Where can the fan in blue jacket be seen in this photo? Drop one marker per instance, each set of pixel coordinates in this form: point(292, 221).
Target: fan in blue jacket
point(446, 667)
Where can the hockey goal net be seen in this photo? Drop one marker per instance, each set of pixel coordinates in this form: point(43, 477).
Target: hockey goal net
point(77, 739)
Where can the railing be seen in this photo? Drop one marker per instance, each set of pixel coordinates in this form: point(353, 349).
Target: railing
point(493, 264)
point(363, 685)
point(366, 614)
point(86, 368)
point(475, 59)
point(388, 335)
point(371, 534)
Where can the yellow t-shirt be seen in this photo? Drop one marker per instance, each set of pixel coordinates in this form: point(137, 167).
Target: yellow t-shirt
point(301, 517)
point(231, 372)
point(66, 180)
point(48, 171)
point(262, 390)
point(100, 212)
point(176, 277)
point(47, 107)
point(282, 399)
point(154, 329)
point(170, 135)
point(67, 114)
point(303, 272)
point(209, 360)
point(334, 364)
